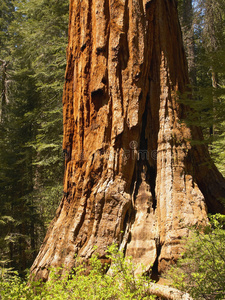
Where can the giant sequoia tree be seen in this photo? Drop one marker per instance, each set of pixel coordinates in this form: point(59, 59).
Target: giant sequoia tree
point(133, 175)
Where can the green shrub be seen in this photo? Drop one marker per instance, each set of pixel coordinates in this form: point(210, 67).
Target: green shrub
point(119, 283)
point(201, 271)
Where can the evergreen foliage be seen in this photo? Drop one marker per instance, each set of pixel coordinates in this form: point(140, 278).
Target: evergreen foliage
point(203, 29)
point(33, 43)
point(201, 271)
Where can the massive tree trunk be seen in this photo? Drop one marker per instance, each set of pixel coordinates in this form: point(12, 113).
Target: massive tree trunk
point(132, 175)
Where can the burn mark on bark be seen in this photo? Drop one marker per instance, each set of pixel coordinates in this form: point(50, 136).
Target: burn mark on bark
point(133, 182)
point(144, 161)
point(83, 47)
point(148, 4)
point(152, 179)
point(101, 50)
point(123, 55)
point(154, 271)
point(69, 67)
point(97, 98)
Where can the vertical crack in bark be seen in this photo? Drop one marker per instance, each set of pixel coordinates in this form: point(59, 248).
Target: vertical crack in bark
point(146, 151)
point(123, 55)
point(80, 220)
point(154, 273)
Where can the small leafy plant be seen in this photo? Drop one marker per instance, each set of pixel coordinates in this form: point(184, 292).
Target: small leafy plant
point(118, 283)
point(201, 271)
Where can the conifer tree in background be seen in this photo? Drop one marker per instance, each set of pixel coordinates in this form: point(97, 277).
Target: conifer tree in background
point(33, 42)
point(6, 17)
point(6, 219)
point(213, 42)
point(186, 14)
point(204, 39)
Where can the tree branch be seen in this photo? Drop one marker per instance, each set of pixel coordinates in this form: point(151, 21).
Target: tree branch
point(167, 292)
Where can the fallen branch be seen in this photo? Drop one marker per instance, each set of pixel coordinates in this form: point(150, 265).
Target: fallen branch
point(167, 292)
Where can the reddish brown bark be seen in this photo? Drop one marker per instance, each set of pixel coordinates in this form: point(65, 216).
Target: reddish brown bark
point(132, 176)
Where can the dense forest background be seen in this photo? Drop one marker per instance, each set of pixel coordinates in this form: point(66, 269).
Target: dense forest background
point(33, 40)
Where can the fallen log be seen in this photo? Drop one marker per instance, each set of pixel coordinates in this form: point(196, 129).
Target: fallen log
point(167, 292)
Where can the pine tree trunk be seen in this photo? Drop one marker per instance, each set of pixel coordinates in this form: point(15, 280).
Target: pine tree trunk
point(3, 89)
point(132, 176)
point(187, 25)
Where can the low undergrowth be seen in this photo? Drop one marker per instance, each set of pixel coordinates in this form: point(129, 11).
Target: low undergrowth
point(201, 270)
point(120, 283)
